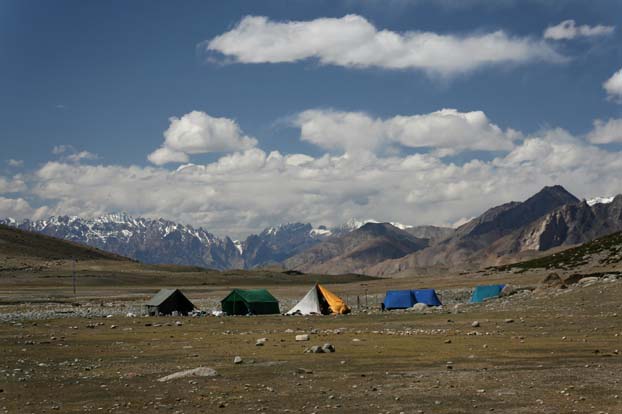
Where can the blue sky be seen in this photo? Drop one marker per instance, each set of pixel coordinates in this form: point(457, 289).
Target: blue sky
point(100, 81)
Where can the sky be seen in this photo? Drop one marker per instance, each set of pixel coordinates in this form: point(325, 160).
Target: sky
point(239, 115)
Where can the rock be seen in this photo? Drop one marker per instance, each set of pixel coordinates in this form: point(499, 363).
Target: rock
point(113, 326)
point(196, 372)
point(237, 360)
point(586, 281)
point(553, 280)
point(260, 342)
point(509, 320)
point(303, 337)
point(303, 371)
point(419, 308)
point(316, 349)
point(447, 341)
point(178, 323)
point(475, 324)
point(507, 291)
point(327, 347)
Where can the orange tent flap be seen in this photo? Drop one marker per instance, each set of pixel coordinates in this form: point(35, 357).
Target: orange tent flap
point(336, 304)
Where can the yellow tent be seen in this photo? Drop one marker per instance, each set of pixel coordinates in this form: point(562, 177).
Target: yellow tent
point(336, 304)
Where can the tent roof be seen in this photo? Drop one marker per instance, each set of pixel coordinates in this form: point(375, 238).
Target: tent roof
point(396, 299)
point(161, 296)
point(427, 296)
point(253, 295)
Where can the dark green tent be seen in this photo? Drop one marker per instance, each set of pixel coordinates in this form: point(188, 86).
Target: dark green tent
point(251, 301)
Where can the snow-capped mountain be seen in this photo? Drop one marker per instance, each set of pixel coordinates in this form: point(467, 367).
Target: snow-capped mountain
point(158, 241)
point(147, 240)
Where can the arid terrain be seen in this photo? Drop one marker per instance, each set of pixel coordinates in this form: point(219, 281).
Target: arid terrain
point(542, 349)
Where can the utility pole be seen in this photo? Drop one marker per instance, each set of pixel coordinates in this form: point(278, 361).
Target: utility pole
point(73, 275)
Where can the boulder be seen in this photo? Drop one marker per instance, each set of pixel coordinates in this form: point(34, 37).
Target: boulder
point(303, 337)
point(196, 372)
point(237, 360)
point(327, 347)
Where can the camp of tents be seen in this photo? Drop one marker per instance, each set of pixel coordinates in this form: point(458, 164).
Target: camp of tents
point(317, 301)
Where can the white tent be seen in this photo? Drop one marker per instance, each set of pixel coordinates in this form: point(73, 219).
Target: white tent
point(308, 305)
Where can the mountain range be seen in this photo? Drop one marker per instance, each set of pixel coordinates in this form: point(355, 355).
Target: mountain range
point(551, 218)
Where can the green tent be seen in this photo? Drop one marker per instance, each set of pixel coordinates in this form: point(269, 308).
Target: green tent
point(251, 301)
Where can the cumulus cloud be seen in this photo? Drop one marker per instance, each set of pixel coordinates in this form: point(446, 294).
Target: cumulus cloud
point(12, 185)
point(606, 132)
point(15, 163)
point(569, 30)
point(448, 131)
point(613, 86)
point(70, 153)
point(245, 191)
point(352, 41)
point(198, 133)
point(19, 209)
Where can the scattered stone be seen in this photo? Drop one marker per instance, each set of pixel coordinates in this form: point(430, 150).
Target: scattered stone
point(261, 342)
point(508, 320)
point(316, 349)
point(196, 372)
point(178, 323)
point(327, 347)
point(475, 324)
point(237, 360)
point(419, 308)
point(303, 337)
point(447, 341)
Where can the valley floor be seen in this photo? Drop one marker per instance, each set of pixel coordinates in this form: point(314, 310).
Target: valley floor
point(555, 352)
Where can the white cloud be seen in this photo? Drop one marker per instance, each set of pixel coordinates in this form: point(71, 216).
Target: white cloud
point(245, 191)
point(70, 153)
point(606, 132)
point(613, 86)
point(448, 131)
point(569, 30)
point(352, 41)
point(15, 163)
point(197, 133)
point(12, 185)
point(19, 209)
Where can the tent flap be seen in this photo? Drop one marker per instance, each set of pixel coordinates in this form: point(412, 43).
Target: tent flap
point(335, 303)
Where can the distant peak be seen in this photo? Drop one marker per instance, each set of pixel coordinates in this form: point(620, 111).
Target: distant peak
point(556, 192)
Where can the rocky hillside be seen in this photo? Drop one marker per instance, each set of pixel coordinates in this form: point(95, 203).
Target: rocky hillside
point(551, 218)
point(604, 251)
point(357, 250)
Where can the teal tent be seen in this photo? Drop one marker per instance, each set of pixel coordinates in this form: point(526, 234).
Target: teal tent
point(483, 292)
point(249, 302)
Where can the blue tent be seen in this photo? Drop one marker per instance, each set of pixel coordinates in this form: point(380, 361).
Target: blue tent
point(399, 299)
point(427, 296)
point(483, 292)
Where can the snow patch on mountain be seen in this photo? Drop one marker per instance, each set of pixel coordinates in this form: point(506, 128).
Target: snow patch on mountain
point(599, 200)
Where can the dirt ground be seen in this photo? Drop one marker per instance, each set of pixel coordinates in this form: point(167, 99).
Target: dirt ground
point(560, 353)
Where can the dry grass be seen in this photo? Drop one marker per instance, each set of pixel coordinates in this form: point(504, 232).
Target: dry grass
point(523, 367)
